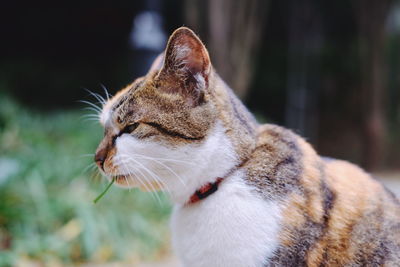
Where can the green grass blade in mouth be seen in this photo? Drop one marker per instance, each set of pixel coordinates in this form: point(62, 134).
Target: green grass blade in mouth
point(104, 192)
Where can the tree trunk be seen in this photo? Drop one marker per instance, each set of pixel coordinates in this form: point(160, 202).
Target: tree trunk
point(304, 53)
point(233, 32)
point(371, 16)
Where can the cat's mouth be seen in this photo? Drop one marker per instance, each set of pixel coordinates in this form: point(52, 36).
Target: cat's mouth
point(126, 180)
point(129, 181)
point(122, 179)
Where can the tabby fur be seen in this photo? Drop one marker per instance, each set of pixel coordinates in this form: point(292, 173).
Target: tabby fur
point(279, 204)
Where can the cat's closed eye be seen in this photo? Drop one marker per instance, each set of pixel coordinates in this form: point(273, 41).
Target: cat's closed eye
point(126, 130)
point(129, 128)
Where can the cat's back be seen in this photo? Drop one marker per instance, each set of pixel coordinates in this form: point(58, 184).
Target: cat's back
point(365, 218)
point(334, 214)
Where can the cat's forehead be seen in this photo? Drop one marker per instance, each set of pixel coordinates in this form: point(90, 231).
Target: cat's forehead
point(128, 102)
point(115, 105)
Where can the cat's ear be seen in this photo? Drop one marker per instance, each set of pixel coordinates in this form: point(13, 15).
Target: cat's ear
point(187, 65)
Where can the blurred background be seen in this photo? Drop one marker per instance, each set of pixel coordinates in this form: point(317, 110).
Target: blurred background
point(330, 70)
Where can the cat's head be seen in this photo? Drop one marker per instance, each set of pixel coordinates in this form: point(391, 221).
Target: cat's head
point(168, 124)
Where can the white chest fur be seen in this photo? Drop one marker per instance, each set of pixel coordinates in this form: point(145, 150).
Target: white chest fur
point(232, 227)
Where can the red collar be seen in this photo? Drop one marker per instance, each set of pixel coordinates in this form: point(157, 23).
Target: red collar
point(205, 191)
point(211, 188)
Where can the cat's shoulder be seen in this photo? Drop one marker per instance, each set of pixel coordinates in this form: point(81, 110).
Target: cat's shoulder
point(279, 142)
point(267, 133)
point(276, 164)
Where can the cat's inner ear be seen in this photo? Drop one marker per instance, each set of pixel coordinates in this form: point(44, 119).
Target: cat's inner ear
point(186, 65)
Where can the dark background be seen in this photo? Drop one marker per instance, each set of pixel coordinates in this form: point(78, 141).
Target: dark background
point(327, 69)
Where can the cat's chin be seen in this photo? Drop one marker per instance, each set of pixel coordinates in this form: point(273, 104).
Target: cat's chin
point(125, 181)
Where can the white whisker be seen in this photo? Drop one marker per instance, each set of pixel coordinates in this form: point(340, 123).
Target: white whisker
point(106, 91)
point(90, 167)
point(166, 167)
point(129, 159)
point(97, 108)
point(165, 159)
point(97, 96)
point(96, 111)
point(91, 115)
point(156, 178)
point(143, 183)
point(90, 119)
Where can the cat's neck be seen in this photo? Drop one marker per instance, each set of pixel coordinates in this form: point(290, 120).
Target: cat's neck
point(216, 158)
point(231, 142)
point(240, 125)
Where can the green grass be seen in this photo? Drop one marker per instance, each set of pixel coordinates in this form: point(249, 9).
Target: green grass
point(46, 196)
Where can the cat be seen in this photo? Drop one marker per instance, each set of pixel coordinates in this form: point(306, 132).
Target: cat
point(244, 194)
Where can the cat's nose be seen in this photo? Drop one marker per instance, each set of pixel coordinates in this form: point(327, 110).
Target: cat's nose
point(100, 157)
